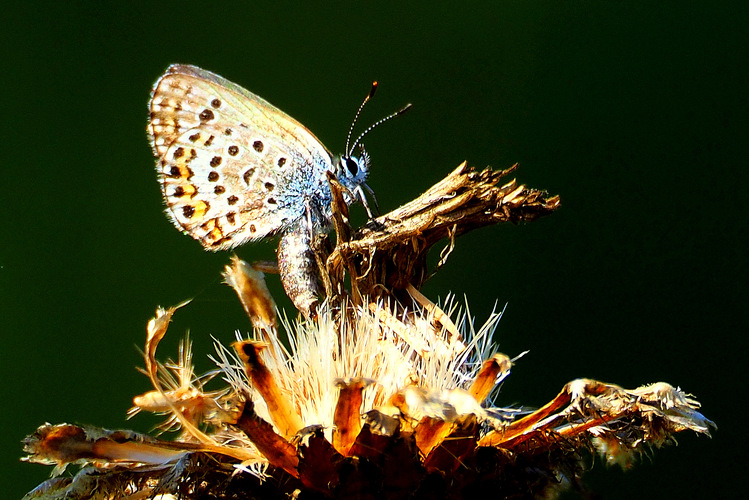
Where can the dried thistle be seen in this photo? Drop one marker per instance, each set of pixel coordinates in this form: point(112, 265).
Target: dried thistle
point(384, 395)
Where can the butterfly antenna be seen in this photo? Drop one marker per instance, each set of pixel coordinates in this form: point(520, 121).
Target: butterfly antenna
point(378, 123)
point(356, 117)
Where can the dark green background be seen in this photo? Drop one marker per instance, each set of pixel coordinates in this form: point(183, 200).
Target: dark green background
point(634, 112)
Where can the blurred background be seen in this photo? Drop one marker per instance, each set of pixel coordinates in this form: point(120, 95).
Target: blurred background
point(634, 112)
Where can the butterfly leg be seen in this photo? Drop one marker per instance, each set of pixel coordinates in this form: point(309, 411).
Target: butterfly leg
point(298, 268)
point(374, 199)
point(362, 198)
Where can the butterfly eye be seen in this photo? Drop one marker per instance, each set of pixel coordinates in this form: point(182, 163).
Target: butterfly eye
point(352, 166)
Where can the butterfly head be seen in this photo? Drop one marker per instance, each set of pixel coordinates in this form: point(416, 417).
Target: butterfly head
point(351, 170)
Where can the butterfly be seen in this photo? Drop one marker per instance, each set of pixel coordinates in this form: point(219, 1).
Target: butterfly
point(233, 168)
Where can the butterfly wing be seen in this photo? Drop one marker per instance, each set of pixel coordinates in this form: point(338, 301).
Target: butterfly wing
point(232, 167)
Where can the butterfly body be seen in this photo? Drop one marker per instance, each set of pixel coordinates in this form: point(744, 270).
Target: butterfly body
point(233, 168)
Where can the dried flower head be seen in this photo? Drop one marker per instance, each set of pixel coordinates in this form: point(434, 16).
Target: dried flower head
point(384, 394)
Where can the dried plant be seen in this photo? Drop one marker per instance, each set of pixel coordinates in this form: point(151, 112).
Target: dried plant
point(382, 394)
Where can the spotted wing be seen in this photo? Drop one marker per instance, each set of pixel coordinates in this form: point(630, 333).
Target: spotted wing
point(232, 167)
